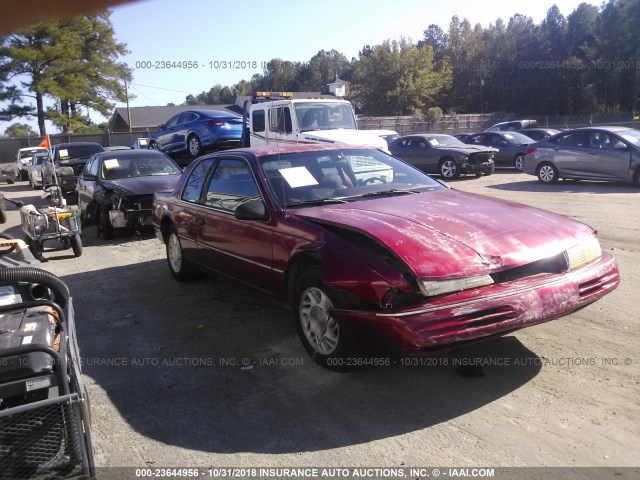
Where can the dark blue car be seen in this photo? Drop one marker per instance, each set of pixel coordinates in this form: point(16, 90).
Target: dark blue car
point(193, 131)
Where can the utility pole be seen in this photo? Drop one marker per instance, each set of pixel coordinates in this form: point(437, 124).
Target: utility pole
point(126, 91)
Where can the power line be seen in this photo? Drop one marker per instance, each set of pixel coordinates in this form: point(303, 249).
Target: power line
point(150, 99)
point(160, 88)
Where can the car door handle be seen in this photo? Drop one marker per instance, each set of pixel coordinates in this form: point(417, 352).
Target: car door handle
point(200, 222)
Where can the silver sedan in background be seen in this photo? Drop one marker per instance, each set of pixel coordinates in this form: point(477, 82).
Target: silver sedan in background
point(593, 153)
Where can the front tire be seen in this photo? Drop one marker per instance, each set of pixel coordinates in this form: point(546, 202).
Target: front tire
point(76, 245)
point(105, 223)
point(179, 266)
point(326, 339)
point(449, 169)
point(518, 162)
point(35, 247)
point(547, 173)
point(194, 146)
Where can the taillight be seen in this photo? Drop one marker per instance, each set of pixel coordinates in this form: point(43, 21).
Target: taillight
point(214, 123)
point(530, 150)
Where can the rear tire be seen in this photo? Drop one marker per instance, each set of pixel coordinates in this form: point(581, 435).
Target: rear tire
point(636, 178)
point(76, 245)
point(179, 266)
point(327, 340)
point(518, 162)
point(547, 173)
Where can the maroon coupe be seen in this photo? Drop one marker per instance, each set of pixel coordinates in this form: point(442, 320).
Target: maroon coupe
point(357, 241)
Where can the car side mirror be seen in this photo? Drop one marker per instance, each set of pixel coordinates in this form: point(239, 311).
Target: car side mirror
point(162, 126)
point(252, 210)
point(620, 146)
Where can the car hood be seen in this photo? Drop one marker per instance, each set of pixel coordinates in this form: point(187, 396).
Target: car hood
point(465, 149)
point(448, 234)
point(345, 135)
point(141, 185)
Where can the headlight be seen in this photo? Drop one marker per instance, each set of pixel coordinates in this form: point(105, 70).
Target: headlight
point(583, 253)
point(431, 288)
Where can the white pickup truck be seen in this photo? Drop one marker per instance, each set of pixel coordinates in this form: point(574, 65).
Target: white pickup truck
point(277, 118)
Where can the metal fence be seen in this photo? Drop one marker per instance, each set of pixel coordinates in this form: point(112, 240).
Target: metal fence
point(452, 124)
point(471, 123)
point(9, 146)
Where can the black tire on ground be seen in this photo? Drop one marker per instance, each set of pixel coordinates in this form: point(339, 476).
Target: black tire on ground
point(3, 216)
point(76, 245)
point(491, 170)
point(180, 267)
point(194, 146)
point(23, 175)
point(518, 162)
point(547, 173)
point(36, 248)
point(449, 169)
point(106, 229)
point(328, 341)
point(636, 178)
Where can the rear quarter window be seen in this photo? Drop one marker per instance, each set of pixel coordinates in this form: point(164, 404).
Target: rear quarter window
point(195, 183)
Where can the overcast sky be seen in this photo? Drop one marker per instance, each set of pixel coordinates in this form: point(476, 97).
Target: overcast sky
point(245, 34)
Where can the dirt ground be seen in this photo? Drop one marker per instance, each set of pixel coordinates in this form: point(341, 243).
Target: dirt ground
point(212, 373)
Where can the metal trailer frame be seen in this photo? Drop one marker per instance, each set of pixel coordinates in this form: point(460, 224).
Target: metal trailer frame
point(49, 436)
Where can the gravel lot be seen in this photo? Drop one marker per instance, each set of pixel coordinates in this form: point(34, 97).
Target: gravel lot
point(163, 364)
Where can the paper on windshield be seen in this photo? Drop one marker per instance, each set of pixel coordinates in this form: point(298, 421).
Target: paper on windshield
point(63, 153)
point(111, 163)
point(434, 142)
point(298, 177)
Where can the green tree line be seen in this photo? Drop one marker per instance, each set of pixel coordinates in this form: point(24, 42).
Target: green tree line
point(587, 62)
point(72, 61)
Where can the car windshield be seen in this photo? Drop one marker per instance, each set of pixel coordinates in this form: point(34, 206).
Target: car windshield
point(518, 138)
point(307, 178)
point(29, 153)
point(138, 166)
point(443, 141)
point(324, 116)
point(631, 136)
point(71, 152)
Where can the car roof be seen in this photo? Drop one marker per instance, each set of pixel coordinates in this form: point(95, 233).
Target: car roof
point(32, 148)
point(77, 144)
point(609, 128)
point(212, 113)
point(297, 148)
point(131, 153)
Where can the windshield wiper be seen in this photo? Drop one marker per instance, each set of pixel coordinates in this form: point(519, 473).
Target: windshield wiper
point(393, 191)
point(318, 201)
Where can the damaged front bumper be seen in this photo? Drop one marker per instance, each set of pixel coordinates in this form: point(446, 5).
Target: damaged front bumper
point(486, 167)
point(452, 320)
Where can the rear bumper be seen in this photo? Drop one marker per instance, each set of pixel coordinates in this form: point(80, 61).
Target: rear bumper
point(494, 310)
